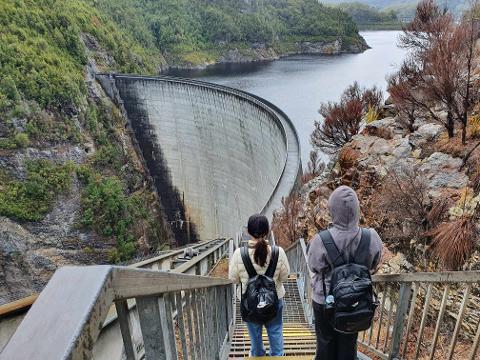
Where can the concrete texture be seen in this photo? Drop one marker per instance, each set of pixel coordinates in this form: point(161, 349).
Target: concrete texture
point(217, 155)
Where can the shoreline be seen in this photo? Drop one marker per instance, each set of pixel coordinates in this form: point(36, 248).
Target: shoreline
point(258, 53)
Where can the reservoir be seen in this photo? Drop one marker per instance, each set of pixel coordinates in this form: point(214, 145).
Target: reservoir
point(299, 84)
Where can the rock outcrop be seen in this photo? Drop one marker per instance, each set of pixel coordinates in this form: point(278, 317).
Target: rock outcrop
point(263, 52)
point(386, 150)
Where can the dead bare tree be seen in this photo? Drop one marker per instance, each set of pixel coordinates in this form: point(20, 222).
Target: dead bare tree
point(402, 95)
point(471, 28)
point(341, 121)
point(404, 209)
point(426, 28)
point(413, 93)
point(284, 224)
point(315, 166)
point(438, 71)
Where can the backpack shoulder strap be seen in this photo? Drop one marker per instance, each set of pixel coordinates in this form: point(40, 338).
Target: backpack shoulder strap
point(363, 250)
point(247, 262)
point(333, 254)
point(273, 262)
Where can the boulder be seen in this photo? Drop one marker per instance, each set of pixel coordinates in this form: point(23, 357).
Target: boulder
point(442, 171)
point(386, 128)
point(426, 133)
point(388, 110)
point(395, 264)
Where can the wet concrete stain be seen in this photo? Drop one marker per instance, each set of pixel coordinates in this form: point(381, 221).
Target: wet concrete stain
point(182, 227)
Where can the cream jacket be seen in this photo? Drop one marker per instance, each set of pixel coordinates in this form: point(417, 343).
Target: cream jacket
point(237, 272)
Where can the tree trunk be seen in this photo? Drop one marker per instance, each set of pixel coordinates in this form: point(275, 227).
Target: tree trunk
point(411, 121)
point(464, 132)
point(450, 125)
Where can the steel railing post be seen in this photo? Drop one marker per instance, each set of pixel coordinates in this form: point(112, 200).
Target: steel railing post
point(402, 309)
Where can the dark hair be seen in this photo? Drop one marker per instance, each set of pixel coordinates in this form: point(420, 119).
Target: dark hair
point(258, 227)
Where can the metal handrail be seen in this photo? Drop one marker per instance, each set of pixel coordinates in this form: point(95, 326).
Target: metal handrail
point(77, 299)
point(409, 304)
point(186, 268)
point(23, 304)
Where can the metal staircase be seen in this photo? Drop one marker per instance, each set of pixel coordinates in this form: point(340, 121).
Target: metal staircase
point(299, 337)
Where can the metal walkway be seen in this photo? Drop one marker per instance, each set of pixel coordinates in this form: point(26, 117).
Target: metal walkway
point(299, 337)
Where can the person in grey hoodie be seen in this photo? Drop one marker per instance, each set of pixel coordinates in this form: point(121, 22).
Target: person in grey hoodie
point(344, 209)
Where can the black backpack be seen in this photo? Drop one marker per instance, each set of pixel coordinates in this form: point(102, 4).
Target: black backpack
point(354, 301)
point(259, 304)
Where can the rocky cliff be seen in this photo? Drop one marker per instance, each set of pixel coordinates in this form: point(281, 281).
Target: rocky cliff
point(410, 184)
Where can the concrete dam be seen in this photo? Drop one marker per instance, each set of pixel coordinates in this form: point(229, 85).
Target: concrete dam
point(216, 154)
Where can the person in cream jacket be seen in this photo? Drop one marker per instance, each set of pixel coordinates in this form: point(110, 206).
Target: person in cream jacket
point(260, 254)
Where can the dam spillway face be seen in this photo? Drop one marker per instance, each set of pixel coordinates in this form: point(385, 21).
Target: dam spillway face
point(216, 154)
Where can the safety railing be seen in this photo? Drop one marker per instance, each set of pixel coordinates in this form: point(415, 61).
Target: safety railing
point(425, 316)
point(180, 316)
point(297, 258)
point(420, 316)
point(168, 259)
point(207, 250)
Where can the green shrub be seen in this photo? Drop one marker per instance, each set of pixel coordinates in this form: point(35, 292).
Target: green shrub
point(43, 56)
point(22, 140)
point(31, 199)
point(109, 156)
point(7, 143)
point(110, 212)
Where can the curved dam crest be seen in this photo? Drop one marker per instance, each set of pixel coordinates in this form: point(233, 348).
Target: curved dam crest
point(216, 154)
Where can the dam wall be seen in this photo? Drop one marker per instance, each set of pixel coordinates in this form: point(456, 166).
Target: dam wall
point(216, 154)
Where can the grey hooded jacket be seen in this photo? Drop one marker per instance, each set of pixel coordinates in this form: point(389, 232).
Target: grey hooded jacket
point(345, 213)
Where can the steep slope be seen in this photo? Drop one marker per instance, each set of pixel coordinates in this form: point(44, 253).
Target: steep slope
point(72, 188)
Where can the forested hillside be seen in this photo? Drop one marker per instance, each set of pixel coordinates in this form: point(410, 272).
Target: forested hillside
point(406, 9)
point(369, 17)
point(200, 31)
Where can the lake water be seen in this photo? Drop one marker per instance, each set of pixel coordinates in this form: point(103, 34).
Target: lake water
point(299, 84)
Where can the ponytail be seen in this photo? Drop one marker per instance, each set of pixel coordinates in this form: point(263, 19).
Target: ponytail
point(258, 227)
point(261, 252)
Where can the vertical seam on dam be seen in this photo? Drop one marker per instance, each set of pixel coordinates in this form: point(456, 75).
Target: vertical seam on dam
point(217, 153)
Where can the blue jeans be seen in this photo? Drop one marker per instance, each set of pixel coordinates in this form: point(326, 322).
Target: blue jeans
point(274, 332)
